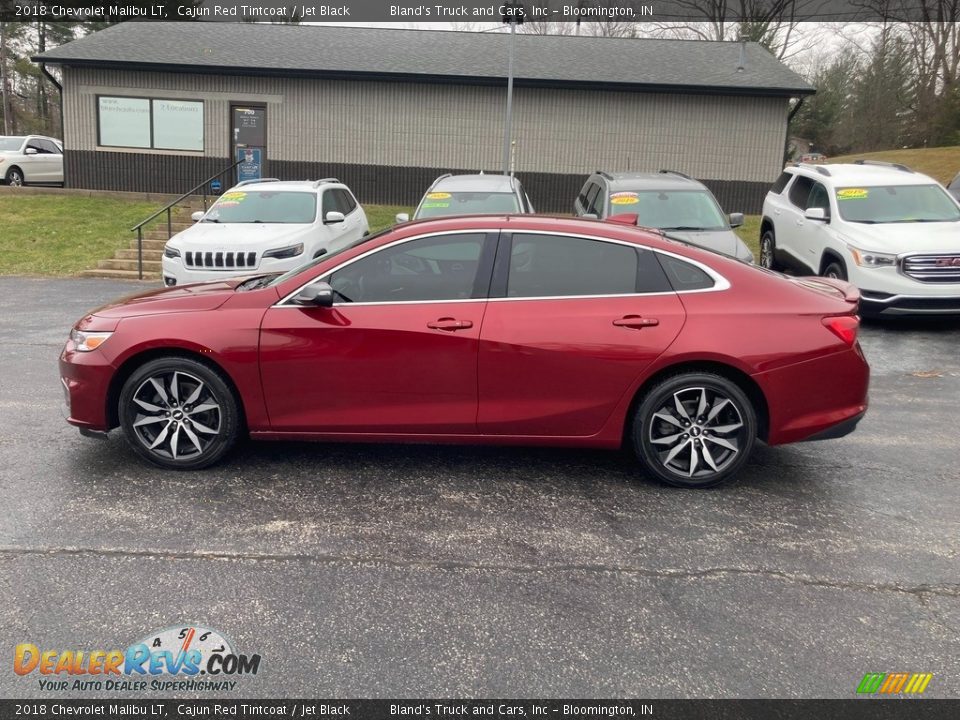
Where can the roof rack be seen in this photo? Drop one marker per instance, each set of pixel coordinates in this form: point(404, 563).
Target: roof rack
point(604, 173)
point(675, 172)
point(318, 183)
point(822, 169)
point(434, 183)
point(881, 163)
point(261, 180)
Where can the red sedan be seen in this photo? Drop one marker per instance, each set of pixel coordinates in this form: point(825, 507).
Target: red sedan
point(509, 330)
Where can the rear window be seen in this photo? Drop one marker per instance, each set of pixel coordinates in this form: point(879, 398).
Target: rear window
point(781, 183)
point(264, 206)
point(684, 275)
point(439, 203)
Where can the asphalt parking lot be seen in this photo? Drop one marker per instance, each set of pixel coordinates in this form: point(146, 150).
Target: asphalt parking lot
point(407, 571)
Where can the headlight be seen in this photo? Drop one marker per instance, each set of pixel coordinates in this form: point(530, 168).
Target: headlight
point(866, 258)
point(170, 252)
point(287, 252)
point(87, 341)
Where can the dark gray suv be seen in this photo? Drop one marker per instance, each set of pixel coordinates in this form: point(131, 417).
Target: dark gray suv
point(681, 207)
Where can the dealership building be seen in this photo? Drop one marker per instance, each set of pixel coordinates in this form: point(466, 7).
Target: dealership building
point(159, 107)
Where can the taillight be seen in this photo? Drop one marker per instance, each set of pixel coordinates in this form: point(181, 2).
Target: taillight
point(843, 326)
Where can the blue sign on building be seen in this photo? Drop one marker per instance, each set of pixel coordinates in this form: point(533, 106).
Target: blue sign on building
point(250, 167)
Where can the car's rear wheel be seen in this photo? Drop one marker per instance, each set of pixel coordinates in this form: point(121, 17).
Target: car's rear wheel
point(179, 413)
point(694, 430)
point(15, 177)
point(835, 269)
point(768, 251)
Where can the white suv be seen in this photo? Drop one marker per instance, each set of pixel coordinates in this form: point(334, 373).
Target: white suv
point(264, 226)
point(892, 232)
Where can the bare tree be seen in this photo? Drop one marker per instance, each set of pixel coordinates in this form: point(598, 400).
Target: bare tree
point(771, 23)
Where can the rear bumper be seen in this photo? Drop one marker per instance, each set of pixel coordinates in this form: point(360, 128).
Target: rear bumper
point(816, 399)
point(841, 429)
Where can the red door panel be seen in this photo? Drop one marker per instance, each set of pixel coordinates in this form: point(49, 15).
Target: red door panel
point(409, 368)
point(558, 367)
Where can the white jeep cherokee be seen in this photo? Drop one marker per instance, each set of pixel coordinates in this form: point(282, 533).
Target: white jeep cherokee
point(892, 232)
point(264, 226)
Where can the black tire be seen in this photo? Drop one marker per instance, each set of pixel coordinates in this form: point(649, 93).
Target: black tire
point(835, 269)
point(14, 177)
point(206, 427)
point(710, 445)
point(768, 251)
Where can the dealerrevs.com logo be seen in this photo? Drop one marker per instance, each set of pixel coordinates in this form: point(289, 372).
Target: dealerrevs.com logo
point(191, 658)
point(898, 683)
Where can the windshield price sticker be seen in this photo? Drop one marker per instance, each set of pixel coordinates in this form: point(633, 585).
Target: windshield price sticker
point(624, 198)
point(852, 194)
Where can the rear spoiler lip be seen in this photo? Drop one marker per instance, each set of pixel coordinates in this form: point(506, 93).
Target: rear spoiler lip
point(851, 293)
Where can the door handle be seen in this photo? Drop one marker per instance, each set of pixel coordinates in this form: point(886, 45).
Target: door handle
point(448, 323)
point(636, 322)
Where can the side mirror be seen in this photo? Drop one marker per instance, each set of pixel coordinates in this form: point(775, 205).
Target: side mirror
point(735, 219)
point(816, 213)
point(30, 151)
point(333, 217)
point(402, 218)
point(197, 216)
point(318, 294)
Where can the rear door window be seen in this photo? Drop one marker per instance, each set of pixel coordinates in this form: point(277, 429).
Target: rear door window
point(562, 266)
point(800, 191)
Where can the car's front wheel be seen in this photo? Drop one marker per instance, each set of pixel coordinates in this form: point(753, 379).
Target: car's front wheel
point(15, 177)
point(835, 269)
point(694, 430)
point(768, 251)
point(179, 413)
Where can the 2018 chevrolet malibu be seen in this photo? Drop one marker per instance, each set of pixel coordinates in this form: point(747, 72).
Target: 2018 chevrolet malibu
point(482, 329)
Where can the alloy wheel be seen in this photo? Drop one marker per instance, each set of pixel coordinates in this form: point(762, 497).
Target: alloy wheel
point(697, 433)
point(766, 252)
point(176, 415)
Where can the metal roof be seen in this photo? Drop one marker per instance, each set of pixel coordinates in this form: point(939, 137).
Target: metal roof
point(433, 56)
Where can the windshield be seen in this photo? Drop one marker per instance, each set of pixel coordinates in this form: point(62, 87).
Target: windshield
point(10, 144)
point(896, 204)
point(671, 209)
point(269, 280)
point(264, 206)
point(467, 203)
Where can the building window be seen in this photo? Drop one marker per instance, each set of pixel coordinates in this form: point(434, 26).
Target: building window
point(159, 124)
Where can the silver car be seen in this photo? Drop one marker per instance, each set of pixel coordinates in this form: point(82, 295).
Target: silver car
point(472, 195)
point(669, 201)
point(31, 159)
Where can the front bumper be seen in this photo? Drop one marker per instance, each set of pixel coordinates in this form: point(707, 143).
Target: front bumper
point(875, 303)
point(86, 377)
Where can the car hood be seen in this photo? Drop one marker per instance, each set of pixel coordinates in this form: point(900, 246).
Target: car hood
point(895, 238)
point(721, 241)
point(196, 297)
point(231, 236)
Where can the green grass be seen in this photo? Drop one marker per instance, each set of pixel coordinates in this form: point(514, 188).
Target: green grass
point(749, 232)
point(62, 234)
point(941, 163)
point(380, 217)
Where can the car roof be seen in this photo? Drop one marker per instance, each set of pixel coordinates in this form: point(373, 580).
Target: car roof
point(650, 181)
point(866, 174)
point(474, 183)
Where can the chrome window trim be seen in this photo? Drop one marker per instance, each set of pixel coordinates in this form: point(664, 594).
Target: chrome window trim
point(720, 282)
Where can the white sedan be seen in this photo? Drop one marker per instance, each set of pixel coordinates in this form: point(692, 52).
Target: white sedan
point(31, 159)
